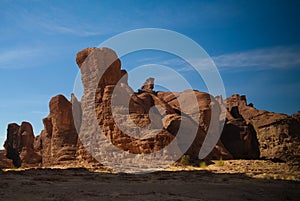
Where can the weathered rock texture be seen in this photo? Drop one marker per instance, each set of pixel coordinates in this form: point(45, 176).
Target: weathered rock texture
point(239, 136)
point(204, 108)
point(248, 133)
point(104, 63)
point(4, 161)
point(278, 134)
point(19, 145)
point(58, 140)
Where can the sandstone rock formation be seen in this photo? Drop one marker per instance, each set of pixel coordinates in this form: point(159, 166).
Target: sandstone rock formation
point(239, 136)
point(200, 113)
point(158, 111)
point(19, 145)
point(82, 55)
point(145, 122)
point(4, 161)
point(278, 134)
point(12, 144)
point(148, 85)
point(58, 140)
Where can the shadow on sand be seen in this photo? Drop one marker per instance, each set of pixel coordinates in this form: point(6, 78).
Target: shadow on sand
point(82, 184)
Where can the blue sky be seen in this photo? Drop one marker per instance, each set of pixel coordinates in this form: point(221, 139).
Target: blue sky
point(255, 45)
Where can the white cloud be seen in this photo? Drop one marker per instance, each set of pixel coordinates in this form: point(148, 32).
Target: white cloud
point(265, 58)
point(257, 59)
point(39, 112)
point(185, 69)
point(248, 60)
point(16, 59)
point(54, 27)
point(55, 21)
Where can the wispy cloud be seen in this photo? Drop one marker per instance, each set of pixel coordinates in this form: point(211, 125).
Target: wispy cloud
point(55, 21)
point(257, 59)
point(265, 58)
point(179, 64)
point(39, 112)
point(51, 26)
point(185, 69)
point(17, 58)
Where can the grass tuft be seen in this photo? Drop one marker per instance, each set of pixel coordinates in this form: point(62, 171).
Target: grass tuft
point(185, 160)
point(202, 164)
point(220, 162)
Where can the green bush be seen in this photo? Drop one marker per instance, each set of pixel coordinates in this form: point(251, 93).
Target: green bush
point(220, 162)
point(202, 164)
point(185, 160)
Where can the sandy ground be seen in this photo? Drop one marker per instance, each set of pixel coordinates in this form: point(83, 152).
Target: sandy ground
point(229, 180)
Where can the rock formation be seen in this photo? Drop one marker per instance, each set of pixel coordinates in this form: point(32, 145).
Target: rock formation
point(205, 102)
point(239, 136)
point(19, 145)
point(146, 109)
point(4, 161)
point(145, 122)
point(148, 85)
point(278, 134)
point(58, 140)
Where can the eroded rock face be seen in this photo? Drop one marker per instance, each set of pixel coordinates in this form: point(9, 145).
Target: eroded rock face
point(239, 136)
point(83, 54)
point(12, 144)
point(105, 62)
point(148, 85)
point(278, 134)
point(201, 113)
point(160, 111)
point(19, 145)
point(27, 153)
point(58, 143)
point(4, 161)
point(58, 140)
point(146, 122)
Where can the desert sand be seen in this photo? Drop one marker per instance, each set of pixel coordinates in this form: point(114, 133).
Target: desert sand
point(227, 180)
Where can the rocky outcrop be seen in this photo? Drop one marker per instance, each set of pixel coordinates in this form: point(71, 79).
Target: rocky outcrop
point(82, 55)
point(4, 161)
point(11, 144)
point(19, 145)
point(105, 63)
point(201, 114)
point(145, 122)
point(58, 143)
point(148, 85)
point(159, 112)
point(239, 136)
point(278, 134)
point(58, 140)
